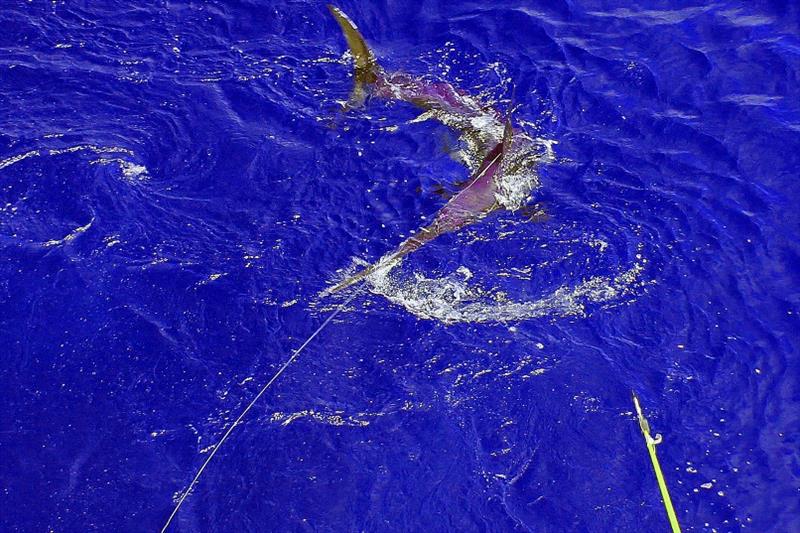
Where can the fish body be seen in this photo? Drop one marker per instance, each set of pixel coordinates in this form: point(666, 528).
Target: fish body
point(504, 150)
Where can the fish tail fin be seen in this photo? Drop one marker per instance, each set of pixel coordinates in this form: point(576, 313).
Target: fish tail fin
point(366, 66)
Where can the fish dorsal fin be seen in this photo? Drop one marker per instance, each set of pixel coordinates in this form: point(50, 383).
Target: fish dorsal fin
point(508, 134)
point(508, 130)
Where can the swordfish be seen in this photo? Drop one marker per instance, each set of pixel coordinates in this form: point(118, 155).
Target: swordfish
point(480, 128)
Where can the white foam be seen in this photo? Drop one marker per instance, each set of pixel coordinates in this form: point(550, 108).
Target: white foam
point(17, 158)
point(519, 176)
point(130, 170)
point(333, 418)
point(453, 299)
point(74, 234)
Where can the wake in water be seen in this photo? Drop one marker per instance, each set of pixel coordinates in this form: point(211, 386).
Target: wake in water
point(130, 170)
point(452, 298)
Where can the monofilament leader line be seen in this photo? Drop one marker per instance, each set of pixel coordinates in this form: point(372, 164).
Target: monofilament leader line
point(258, 396)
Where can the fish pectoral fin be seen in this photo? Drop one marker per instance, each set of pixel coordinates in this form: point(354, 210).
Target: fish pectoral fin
point(462, 184)
point(535, 213)
point(442, 192)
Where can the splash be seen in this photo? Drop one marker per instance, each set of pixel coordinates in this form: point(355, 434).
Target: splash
point(453, 299)
point(130, 171)
point(520, 177)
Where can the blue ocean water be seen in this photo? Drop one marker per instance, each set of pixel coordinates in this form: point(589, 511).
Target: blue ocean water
point(178, 185)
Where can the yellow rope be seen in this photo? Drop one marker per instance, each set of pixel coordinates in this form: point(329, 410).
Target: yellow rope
point(651, 447)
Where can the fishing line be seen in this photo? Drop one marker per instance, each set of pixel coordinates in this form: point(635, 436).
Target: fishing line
point(236, 422)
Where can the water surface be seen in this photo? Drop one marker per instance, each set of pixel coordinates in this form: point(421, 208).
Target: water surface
point(177, 187)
